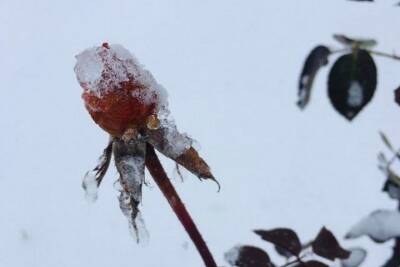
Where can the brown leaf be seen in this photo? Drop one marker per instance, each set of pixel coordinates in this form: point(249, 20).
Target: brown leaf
point(314, 263)
point(248, 256)
point(283, 238)
point(326, 246)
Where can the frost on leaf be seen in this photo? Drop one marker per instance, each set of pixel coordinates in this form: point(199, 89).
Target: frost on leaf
point(357, 256)
point(315, 60)
point(130, 163)
point(93, 178)
point(380, 226)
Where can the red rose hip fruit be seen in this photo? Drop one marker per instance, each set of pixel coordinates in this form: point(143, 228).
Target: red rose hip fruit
point(118, 92)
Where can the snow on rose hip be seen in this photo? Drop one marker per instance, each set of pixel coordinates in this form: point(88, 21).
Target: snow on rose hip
point(125, 100)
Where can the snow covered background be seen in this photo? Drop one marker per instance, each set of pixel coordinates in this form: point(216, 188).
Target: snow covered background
point(231, 70)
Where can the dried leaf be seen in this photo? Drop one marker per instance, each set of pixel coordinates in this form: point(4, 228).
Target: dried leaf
point(326, 246)
point(387, 142)
point(352, 83)
point(282, 237)
point(351, 42)
point(248, 256)
point(315, 60)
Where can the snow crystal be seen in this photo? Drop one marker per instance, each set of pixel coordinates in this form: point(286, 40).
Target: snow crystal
point(357, 256)
point(355, 95)
point(100, 69)
point(233, 255)
point(380, 225)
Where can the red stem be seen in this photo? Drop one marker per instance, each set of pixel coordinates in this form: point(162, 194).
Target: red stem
point(160, 177)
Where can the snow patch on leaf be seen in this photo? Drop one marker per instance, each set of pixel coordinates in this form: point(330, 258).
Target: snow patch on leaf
point(355, 94)
point(232, 255)
point(380, 225)
point(357, 256)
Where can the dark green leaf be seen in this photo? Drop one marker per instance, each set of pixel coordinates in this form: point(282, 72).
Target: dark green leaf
point(317, 58)
point(352, 83)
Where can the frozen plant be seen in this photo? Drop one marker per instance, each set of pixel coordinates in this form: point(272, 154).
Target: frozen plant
point(125, 100)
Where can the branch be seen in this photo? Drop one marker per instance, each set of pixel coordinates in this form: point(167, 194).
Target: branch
point(160, 177)
point(382, 54)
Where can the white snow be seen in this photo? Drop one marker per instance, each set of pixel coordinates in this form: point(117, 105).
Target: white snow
point(132, 174)
point(136, 224)
point(177, 143)
point(380, 225)
point(357, 256)
point(103, 68)
point(232, 255)
point(355, 94)
point(89, 184)
point(231, 84)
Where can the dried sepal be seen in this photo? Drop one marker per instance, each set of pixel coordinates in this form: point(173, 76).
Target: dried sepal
point(130, 163)
point(178, 147)
point(93, 178)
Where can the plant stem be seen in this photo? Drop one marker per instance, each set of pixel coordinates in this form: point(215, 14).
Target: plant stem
point(160, 177)
point(382, 54)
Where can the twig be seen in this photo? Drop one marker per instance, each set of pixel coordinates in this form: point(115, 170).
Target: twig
point(160, 177)
point(382, 54)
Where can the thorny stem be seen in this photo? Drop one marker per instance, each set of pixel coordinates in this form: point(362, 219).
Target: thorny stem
point(160, 177)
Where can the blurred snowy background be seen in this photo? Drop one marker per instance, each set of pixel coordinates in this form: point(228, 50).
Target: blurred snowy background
point(231, 70)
